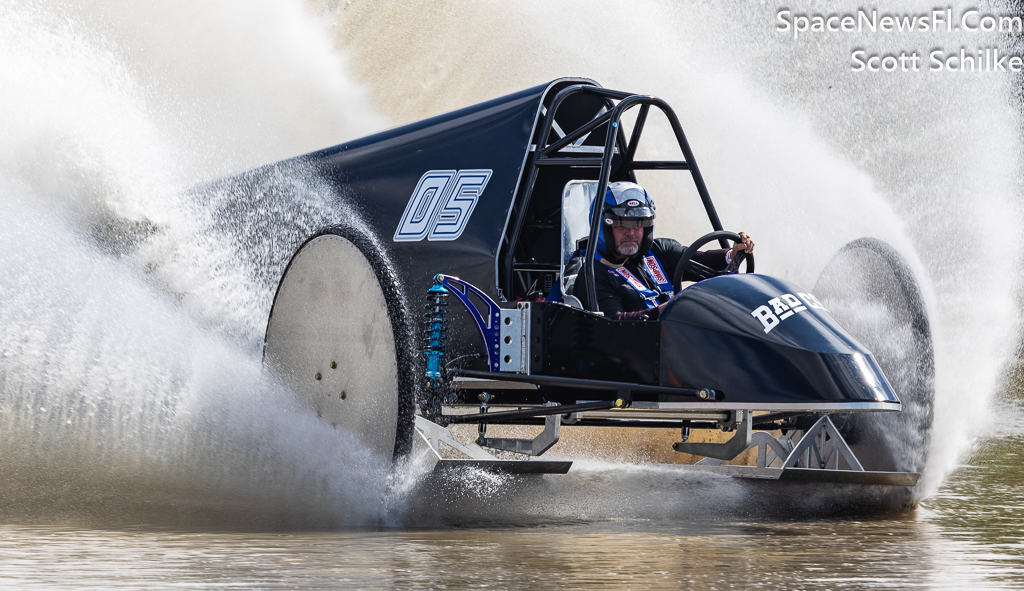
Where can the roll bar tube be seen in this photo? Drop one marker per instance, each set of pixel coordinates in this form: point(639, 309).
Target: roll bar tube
point(544, 156)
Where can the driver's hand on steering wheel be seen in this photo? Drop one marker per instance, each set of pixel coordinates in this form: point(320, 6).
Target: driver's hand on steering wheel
point(747, 245)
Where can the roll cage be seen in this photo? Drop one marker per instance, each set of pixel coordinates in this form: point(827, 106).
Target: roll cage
point(557, 157)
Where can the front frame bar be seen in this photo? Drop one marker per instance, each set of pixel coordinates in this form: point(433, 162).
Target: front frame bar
point(614, 137)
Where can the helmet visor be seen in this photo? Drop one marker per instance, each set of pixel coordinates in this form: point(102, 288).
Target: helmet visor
point(632, 222)
point(630, 212)
point(630, 217)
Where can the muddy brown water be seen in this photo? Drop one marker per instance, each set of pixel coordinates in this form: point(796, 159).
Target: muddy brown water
point(970, 534)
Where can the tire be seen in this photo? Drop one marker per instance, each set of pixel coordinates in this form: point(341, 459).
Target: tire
point(872, 292)
point(339, 337)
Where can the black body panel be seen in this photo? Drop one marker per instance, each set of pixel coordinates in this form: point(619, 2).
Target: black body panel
point(371, 181)
point(582, 345)
point(383, 170)
point(712, 337)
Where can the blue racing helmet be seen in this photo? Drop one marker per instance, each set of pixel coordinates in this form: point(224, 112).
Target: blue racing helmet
point(629, 205)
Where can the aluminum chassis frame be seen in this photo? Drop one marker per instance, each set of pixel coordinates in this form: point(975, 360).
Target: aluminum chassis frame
point(819, 454)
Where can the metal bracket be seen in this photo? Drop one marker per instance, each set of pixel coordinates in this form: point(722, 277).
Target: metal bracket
point(488, 325)
point(514, 343)
point(433, 435)
point(822, 447)
point(531, 447)
point(739, 442)
point(770, 449)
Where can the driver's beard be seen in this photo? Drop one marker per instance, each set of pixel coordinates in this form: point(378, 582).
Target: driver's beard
point(627, 249)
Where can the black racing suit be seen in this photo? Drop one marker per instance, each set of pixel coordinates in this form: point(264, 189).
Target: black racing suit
point(620, 301)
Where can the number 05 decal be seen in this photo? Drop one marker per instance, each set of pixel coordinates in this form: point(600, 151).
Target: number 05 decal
point(441, 204)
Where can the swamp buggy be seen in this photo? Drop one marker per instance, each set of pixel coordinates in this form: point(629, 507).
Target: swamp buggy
point(445, 296)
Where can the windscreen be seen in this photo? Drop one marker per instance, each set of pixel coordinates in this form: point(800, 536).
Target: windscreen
point(576, 199)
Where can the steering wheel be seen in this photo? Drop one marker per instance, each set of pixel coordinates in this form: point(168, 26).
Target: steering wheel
point(686, 262)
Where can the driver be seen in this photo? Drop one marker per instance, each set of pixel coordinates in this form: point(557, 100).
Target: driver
point(634, 275)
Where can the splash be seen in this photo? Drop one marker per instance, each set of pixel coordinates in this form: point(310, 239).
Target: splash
point(113, 399)
point(131, 387)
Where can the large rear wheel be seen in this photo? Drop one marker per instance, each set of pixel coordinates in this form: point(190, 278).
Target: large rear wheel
point(336, 336)
point(872, 292)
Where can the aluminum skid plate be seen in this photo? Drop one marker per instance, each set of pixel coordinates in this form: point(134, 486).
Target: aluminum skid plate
point(427, 454)
point(810, 475)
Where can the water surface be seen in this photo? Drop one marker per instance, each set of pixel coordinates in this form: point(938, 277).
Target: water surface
point(967, 535)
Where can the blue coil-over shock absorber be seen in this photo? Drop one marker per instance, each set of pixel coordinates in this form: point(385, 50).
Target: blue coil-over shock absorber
point(434, 329)
point(434, 333)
